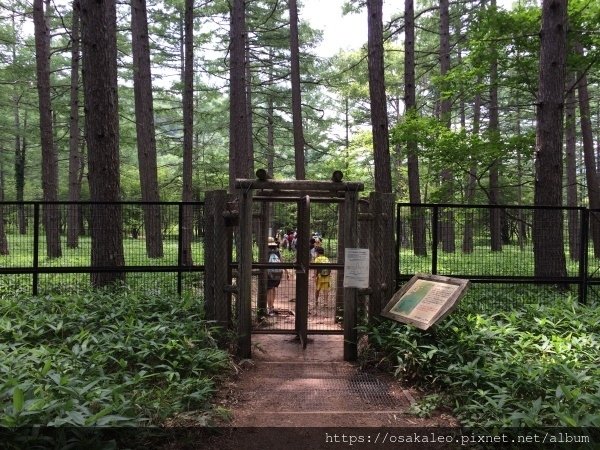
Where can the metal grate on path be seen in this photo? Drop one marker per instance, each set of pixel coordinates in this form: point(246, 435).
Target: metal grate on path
point(327, 387)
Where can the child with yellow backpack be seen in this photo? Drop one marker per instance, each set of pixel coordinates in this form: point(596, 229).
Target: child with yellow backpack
point(322, 276)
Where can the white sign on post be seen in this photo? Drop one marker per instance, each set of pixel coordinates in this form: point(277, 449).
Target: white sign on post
point(356, 268)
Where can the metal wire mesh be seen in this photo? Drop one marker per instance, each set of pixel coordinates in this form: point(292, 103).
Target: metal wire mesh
point(499, 259)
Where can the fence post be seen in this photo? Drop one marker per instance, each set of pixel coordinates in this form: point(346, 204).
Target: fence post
point(215, 259)
point(350, 294)
point(244, 276)
point(583, 255)
point(434, 239)
point(36, 246)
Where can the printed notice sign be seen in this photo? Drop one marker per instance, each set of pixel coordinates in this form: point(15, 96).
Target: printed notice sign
point(425, 300)
point(356, 268)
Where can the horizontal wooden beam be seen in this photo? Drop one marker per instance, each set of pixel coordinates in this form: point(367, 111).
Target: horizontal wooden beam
point(299, 185)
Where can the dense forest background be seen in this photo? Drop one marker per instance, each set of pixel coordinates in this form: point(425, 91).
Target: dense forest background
point(490, 87)
point(453, 102)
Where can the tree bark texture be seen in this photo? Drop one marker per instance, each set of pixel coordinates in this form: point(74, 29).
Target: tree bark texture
point(571, 167)
point(270, 122)
point(239, 155)
point(494, 135)
point(20, 152)
point(187, 195)
point(20, 146)
point(548, 238)
point(410, 104)
point(73, 210)
point(51, 213)
point(249, 116)
point(4, 250)
point(379, 117)
point(145, 131)
point(99, 54)
point(447, 228)
point(299, 159)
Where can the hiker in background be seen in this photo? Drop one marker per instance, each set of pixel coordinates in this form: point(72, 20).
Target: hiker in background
point(285, 243)
point(322, 276)
point(315, 243)
point(274, 275)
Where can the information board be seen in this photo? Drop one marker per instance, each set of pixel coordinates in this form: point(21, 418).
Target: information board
point(425, 300)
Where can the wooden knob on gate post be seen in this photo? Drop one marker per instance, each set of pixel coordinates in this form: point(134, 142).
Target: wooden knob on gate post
point(337, 176)
point(262, 175)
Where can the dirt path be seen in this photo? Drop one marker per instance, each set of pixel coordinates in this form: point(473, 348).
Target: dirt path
point(289, 398)
point(285, 386)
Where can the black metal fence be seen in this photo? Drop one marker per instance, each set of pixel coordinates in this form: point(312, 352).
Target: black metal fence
point(27, 265)
point(454, 240)
point(492, 246)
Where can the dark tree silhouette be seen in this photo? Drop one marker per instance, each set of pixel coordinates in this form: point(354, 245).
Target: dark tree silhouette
point(548, 239)
point(99, 52)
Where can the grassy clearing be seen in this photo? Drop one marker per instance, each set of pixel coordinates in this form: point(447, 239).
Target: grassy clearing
point(21, 253)
point(99, 358)
point(511, 261)
point(534, 366)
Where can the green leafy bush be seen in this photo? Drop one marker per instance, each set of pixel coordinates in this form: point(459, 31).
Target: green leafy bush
point(109, 357)
point(534, 366)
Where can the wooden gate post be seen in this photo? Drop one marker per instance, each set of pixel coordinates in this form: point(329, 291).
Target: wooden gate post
point(263, 255)
point(382, 264)
point(216, 259)
point(244, 275)
point(350, 294)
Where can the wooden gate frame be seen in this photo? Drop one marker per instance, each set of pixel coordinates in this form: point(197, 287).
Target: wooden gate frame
point(217, 282)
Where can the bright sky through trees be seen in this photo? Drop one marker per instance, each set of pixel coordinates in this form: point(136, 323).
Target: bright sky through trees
point(340, 32)
point(347, 32)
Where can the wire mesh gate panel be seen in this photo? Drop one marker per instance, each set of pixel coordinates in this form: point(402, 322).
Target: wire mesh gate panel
point(280, 220)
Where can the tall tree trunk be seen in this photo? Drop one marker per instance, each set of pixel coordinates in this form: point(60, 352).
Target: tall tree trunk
point(99, 54)
point(240, 159)
point(410, 104)
point(249, 104)
point(379, 117)
point(467, 243)
point(73, 209)
point(598, 131)
point(447, 229)
point(20, 148)
point(299, 159)
point(494, 138)
point(188, 134)
point(4, 250)
point(593, 183)
point(548, 237)
point(270, 122)
point(145, 132)
point(522, 227)
point(51, 213)
point(571, 166)
point(20, 152)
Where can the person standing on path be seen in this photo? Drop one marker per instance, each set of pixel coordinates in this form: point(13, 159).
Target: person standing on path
point(322, 276)
point(274, 275)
